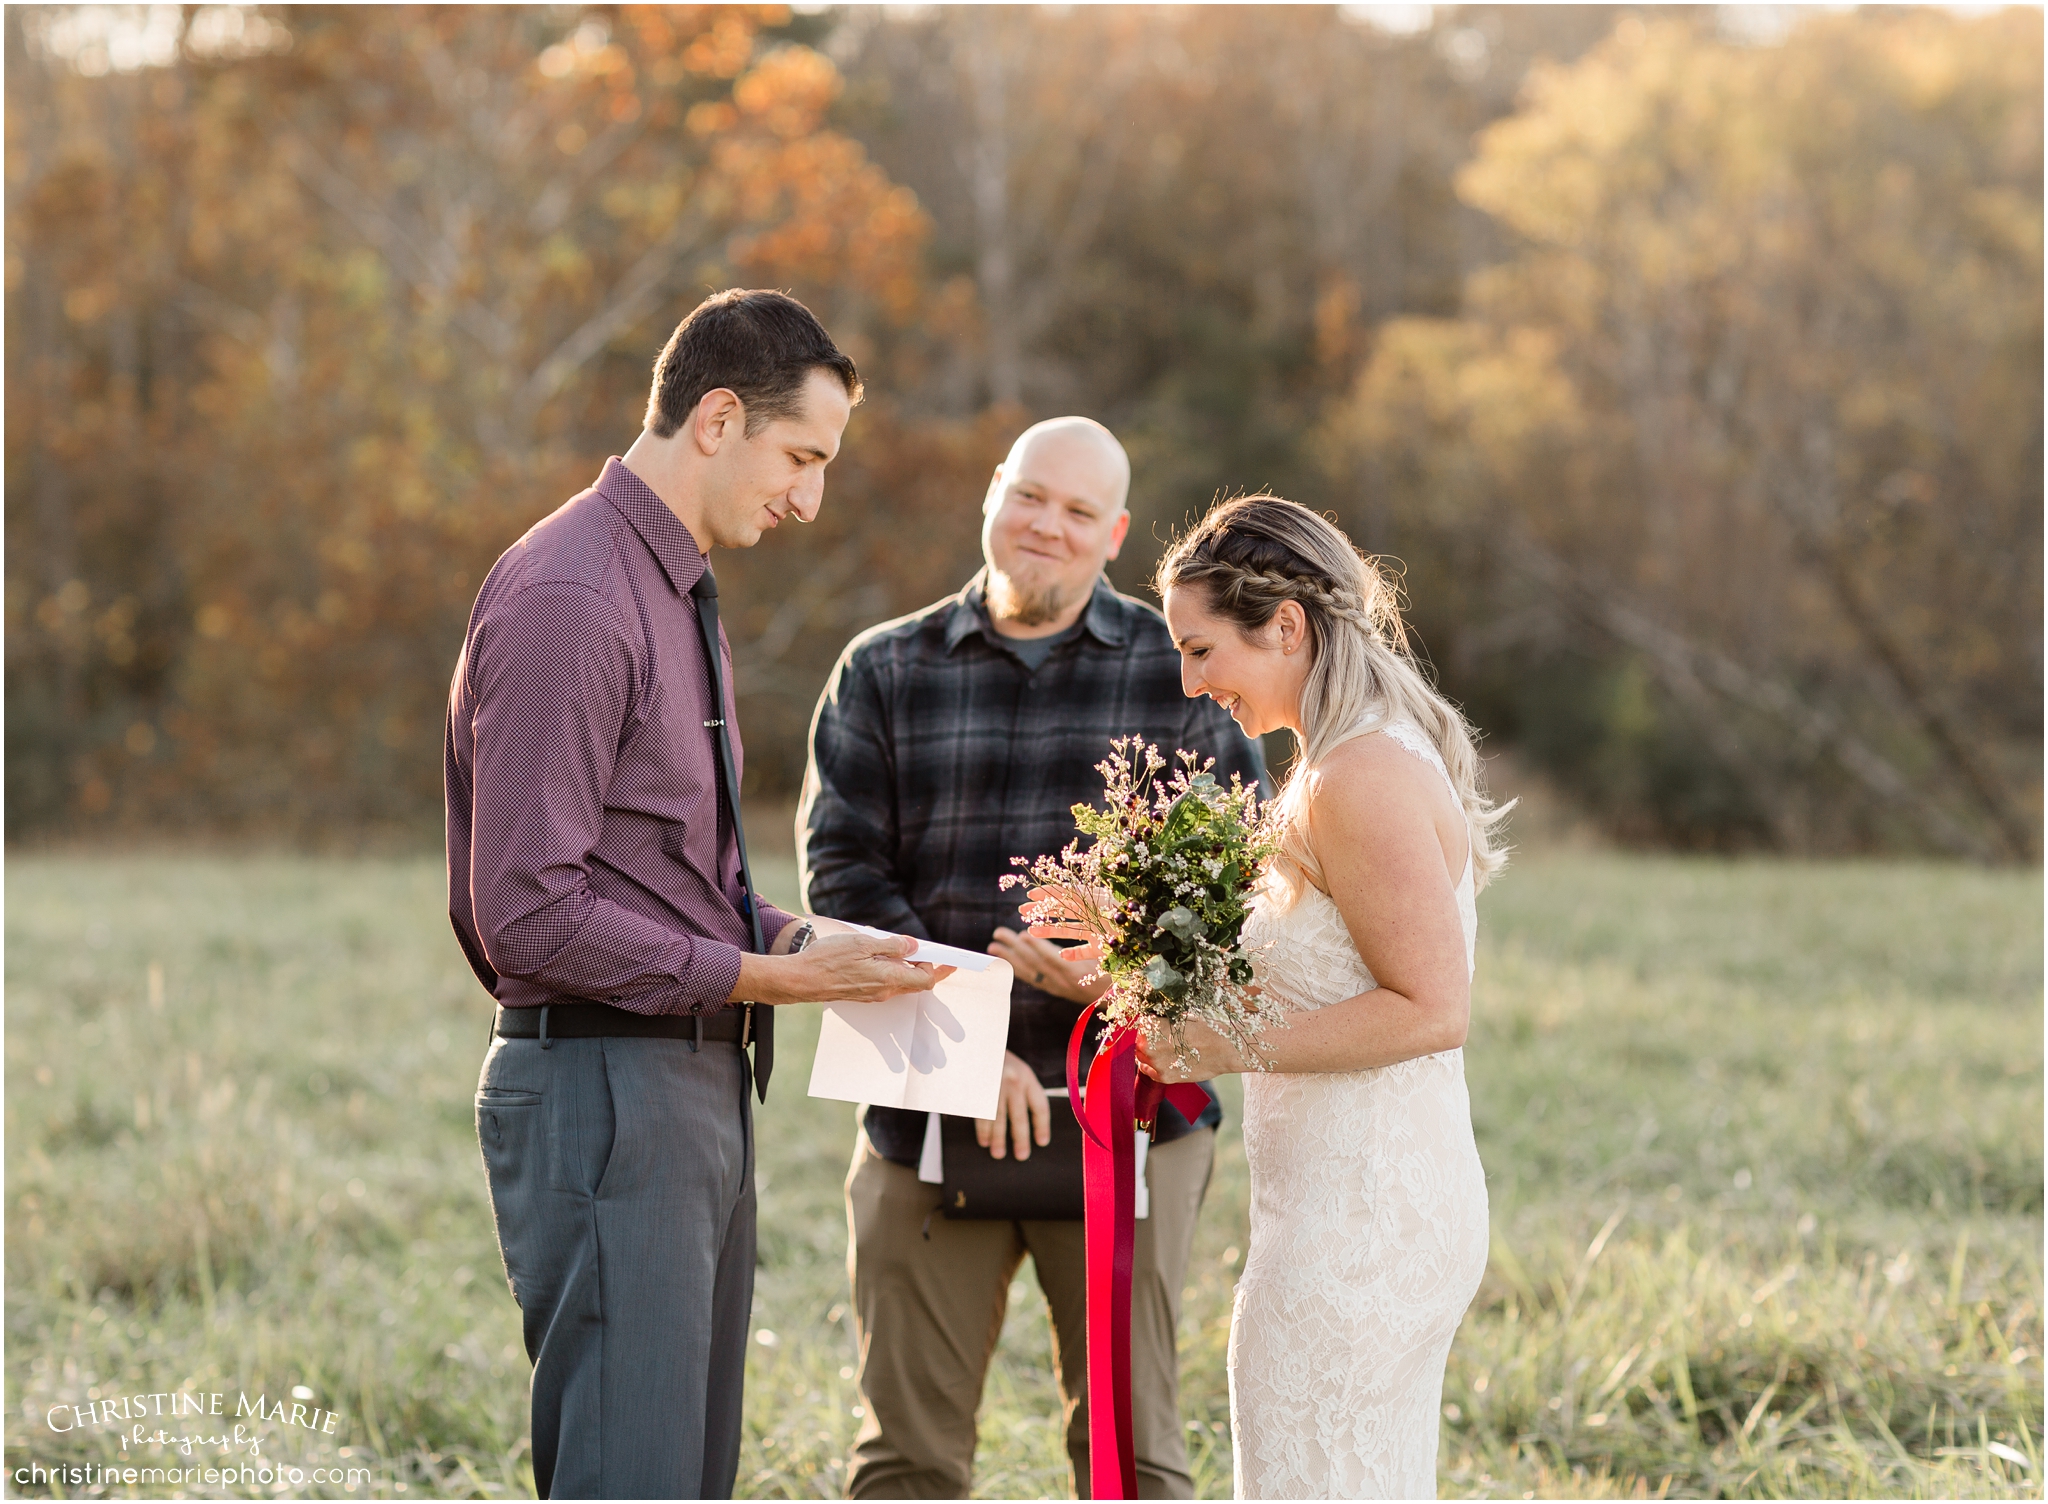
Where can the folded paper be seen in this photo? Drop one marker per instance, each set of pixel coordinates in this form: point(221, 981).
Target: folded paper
point(936, 1051)
point(932, 951)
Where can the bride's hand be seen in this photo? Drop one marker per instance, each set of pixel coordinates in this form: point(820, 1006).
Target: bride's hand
point(1208, 1053)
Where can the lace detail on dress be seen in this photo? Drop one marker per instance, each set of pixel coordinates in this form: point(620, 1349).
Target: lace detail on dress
point(1368, 1236)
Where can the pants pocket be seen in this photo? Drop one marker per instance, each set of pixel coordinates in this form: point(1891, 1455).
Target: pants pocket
point(510, 1131)
point(581, 1120)
point(501, 1116)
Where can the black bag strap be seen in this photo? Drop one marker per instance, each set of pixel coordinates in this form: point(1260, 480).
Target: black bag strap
point(762, 1020)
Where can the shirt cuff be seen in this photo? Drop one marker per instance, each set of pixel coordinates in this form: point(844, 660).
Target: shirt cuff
point(773, 920)
point(714, 972)
point(704, 984)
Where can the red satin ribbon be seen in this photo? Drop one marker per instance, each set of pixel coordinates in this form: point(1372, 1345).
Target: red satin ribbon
point(1118, 1101)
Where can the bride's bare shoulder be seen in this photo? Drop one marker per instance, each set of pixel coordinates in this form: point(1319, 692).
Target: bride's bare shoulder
point(1372, 795)
point(1369, 770)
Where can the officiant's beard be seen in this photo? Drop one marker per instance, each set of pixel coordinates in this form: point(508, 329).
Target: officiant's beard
point(1010, 599)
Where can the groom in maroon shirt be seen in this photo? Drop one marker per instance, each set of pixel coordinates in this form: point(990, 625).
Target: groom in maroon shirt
point(594, 880)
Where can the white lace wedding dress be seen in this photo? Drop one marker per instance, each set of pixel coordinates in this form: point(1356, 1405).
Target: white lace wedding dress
point(1368, 1236)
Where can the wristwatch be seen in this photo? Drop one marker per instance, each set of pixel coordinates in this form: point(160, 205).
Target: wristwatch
point(805, 934)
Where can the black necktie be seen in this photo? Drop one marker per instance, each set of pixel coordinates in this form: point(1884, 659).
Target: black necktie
point(705, 591)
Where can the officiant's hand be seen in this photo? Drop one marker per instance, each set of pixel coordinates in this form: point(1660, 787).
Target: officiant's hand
point(1062, 914)
point(1048, 967)
point(1023, 1113)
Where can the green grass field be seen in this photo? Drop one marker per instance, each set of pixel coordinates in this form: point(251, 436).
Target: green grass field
point(1764, 1142)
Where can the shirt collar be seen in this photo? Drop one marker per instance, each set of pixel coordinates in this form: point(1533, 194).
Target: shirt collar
point(1103, 617)
point(659, 528)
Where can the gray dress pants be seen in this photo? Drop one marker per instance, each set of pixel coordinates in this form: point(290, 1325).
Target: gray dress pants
point(622, 1183)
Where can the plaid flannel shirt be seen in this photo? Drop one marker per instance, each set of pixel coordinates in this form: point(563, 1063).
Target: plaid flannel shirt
point(937, 756)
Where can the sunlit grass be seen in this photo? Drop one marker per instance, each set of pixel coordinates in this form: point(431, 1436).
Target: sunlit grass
point(1803, 1103)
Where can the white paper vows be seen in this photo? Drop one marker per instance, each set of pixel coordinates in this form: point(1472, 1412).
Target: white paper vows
point(937, 1051)
point(932, 951)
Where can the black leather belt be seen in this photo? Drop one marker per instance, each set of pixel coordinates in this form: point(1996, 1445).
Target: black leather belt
point(553, 1021)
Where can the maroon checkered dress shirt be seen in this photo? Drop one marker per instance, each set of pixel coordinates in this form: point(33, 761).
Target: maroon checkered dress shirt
point(590, 856)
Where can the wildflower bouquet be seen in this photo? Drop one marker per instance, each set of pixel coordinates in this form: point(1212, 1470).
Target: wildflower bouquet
point(1160, 896)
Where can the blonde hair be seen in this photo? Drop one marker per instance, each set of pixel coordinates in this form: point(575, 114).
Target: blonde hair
point(1251, 554)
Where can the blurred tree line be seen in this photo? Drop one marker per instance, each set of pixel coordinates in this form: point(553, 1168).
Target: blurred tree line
point(1694, 374)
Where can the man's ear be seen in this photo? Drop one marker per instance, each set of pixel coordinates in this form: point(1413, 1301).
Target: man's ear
point(719, 416)
point(1117, 529)
point(994, 495)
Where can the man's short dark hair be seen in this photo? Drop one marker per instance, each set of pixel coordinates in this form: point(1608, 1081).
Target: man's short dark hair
point(760, 345)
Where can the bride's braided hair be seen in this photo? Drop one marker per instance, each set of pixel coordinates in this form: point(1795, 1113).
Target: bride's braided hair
point(1251, 554)
point(1242, 588)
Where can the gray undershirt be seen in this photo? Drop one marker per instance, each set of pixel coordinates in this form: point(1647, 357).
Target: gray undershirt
point(1033, 651)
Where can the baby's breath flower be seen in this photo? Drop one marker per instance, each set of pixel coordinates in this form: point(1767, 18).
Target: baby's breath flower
point(1150, 888)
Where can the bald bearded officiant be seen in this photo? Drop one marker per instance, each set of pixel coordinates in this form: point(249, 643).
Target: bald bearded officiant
point(947, 743)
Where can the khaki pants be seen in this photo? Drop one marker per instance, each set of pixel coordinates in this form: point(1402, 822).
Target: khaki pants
point(928, 1303)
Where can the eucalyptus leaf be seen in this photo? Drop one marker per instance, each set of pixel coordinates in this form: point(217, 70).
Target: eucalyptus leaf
point(1162, 978)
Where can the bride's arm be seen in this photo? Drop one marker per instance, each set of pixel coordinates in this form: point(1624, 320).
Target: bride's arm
point(1382, 827)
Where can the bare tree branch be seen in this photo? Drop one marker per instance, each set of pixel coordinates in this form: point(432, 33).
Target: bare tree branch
point(1085, 213)
point(989, 179)
point(225, 314)
point(1806, 496)
point(794, 612)
point(635, 293)
point(1683, 662)
point(430, 269)
point(554, 202)
point(1935, 723)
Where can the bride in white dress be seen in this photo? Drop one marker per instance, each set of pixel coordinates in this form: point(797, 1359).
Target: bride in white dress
point(1368, 1216)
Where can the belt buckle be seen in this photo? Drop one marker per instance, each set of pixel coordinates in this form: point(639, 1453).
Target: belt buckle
point(746, 1024)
